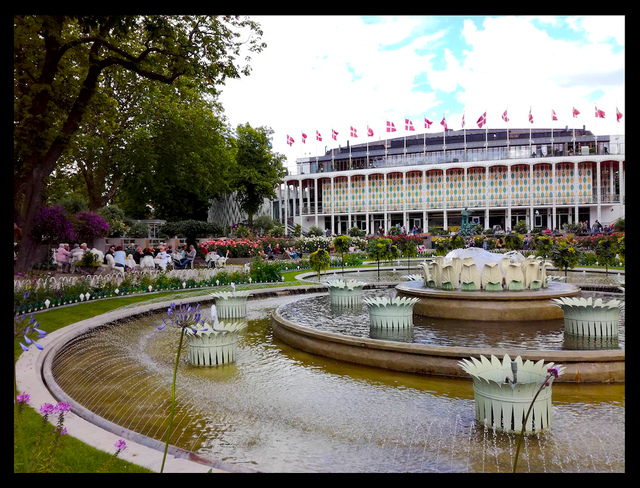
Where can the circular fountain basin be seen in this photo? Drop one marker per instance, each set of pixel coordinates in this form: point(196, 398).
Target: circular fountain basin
point(280, 409)
point(524, 305)
point(428, 356)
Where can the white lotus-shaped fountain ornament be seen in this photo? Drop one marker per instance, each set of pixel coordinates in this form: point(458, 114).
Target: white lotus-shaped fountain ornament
point(214, 344)
point(589, 317)
point(503, 392)
point(231, 305)
point(346, 293)
point(393, 313)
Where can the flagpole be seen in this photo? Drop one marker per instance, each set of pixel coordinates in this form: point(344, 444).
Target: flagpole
point(444, 139)
point(530, 140)
point(464, 133)
point(486, 135)
point(552, 151)
point(573, 138)
point(425, 139)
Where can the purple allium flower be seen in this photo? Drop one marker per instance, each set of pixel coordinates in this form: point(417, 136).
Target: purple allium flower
point(61, 430)
point(62, 407)
point(23, 398)
point(47, 409)
point(120, 445)
point(554, 371)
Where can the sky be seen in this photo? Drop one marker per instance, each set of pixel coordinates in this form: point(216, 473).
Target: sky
point(324, 73)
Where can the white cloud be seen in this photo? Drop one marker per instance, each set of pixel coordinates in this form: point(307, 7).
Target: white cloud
point(304, 79)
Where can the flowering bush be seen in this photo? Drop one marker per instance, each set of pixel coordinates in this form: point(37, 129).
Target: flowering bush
point(90, 226)
point(52, 224)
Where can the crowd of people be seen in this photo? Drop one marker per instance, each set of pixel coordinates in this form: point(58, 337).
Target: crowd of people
point(156, 257)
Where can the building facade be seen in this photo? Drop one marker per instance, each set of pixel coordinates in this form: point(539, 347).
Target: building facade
point(548, 177)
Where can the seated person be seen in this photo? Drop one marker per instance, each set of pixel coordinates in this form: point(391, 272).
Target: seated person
point(119, 257)
point(162, 258)
point(190, 257)
point(63, 256)
point(112, 250)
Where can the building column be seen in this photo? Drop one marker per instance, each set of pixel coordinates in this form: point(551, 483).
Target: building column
point(611, 180)
point(315, 194)
point(349, 202)
point(386, 199)
point(465, 188)
point(445, 224)
point(554, 186)
point(531, 212)
point(405, 199)
point(332, 205)
point(366, 202)
point(599, 192)
point(621, 182)
point(508, 222)
point(485, 194)
point(301, 199)
point(576, 183)
point(423, 199)
point(286, 207)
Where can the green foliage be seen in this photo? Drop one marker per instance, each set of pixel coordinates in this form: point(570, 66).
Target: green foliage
point(277, 231)
point(190, 229)
point(264, 271)
point(315, 231)
point(242, 231)
point(341, 244)
point(381, 249)
point(394, 230)
point(115, 217)
point(320, 261)
point(138, 229)
point(513, 242)
point(258, 169)
point(298, 230)
point(521, 227)
point(89, 259)
point(606, 251)
point(564, 255)
point(263, 224)
point(356, 232)
point(542, 245)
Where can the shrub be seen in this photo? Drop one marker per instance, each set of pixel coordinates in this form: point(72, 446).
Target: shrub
point(90, 226)
point(320, 261)
point(52, 224)
point(315, 232)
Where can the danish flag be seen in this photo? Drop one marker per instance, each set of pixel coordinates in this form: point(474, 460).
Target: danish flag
point(618, 114)
point(575, 112)
point(463, 120)
point(304, 138)
point(334, 135)
point(318, 136)
point(504, 116)
point(427, 123)
point(290, 140)
point(408, 125)
point(553, 115)
point(354, 132)
point(599, 113)
point(369, 131)
point(530, 116)
point(390, 127)
point(482, 120)
point(443, 123)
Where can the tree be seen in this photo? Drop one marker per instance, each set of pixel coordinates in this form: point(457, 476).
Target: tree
point(58, 64)
point(320, 261)
point(407, 246)
point(381, 249)
point(341, 244)
point(90, 226)
point(190, 229)
point(606, 251)
point(258, 169)
point(564, 255)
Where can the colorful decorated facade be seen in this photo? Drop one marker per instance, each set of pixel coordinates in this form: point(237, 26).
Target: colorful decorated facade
point(427, 180)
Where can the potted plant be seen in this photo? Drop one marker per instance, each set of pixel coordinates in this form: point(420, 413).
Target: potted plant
point(89, 263)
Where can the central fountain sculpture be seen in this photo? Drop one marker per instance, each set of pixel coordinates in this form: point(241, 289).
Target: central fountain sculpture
point(231, 305)
point(474, 284)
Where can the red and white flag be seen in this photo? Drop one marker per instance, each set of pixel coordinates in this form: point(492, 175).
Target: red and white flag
point(504, 116)
point(290, 140)
point(408, 125)
point(575, 113)
point(530, 116)
point(427, 123)
point(443, 123)
point(553, 115)
point(599, 113)
point(334, 135)
point(318, 136)
point(618, 114)
point(304, 138)
point(369, 131)
point(463, 120)
point(390, 127)
point(482, 120)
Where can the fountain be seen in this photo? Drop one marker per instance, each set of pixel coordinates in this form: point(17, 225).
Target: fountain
point(475, 284)
point(279, 409)
point(312, 385)
point(346, 293)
